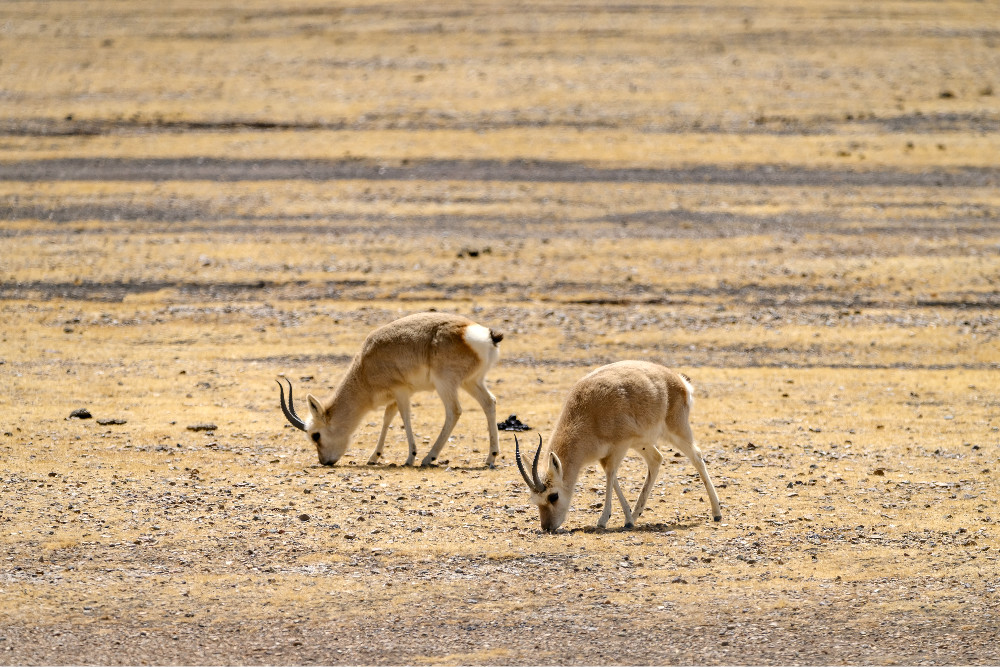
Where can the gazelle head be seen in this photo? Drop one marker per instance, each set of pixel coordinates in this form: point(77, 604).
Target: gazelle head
point(551, 495)
point(330, 444)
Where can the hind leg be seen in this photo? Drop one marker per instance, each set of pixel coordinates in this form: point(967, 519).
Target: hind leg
point(684, 441)
point(488, 402)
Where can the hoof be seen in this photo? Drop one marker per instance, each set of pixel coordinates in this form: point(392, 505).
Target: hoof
point(629, 525)
point(718, 518)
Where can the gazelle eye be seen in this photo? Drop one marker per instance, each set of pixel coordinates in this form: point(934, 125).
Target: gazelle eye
point(315, 437)
point(553, 497)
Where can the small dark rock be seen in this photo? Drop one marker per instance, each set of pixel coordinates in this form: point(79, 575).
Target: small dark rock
point(474, 252)
point(202, 427)
point(303, 517)
point(82, 413)
point(512, 423)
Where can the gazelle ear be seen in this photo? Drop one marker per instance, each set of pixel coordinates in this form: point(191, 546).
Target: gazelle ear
point(555, 467)
point(315, 409)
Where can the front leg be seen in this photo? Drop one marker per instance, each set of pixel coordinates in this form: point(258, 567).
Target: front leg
point(653, 461)
point(403, 404)
point(390, 412)
point(452, 411)
point(606, 513)
point(612, 483)
point(624, 503)
point(610, 465)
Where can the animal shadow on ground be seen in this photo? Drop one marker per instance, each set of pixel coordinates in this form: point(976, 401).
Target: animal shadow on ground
point(441, 466)
point(642, 528)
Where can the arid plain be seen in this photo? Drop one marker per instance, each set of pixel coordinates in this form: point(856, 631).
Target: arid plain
point(796, 204)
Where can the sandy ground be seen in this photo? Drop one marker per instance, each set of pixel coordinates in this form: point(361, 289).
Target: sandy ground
point(795, 205)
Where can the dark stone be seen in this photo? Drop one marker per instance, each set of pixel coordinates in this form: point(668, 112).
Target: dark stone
point(512, 423)
point(202, 427)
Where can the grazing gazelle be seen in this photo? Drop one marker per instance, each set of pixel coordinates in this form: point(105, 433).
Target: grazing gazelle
point(621, 406)
point(415, 353)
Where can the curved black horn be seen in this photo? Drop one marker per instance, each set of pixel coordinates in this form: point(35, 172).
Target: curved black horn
point(534, 465)
point(289, 409)
point(532, 481)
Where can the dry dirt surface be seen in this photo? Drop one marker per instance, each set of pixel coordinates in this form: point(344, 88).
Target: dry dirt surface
point(794, 203)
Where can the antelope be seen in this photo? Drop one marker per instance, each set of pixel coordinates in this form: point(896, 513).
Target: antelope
point(415, 353)
point(621, 406)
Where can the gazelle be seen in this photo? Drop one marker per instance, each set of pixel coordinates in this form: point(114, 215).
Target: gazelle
point(415, 353)
point(621, 406)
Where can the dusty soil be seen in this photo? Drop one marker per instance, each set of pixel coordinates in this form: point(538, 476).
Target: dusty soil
point(795, 204)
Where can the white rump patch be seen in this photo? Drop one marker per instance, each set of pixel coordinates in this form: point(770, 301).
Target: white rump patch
point(478, 338)
point(689, 389)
